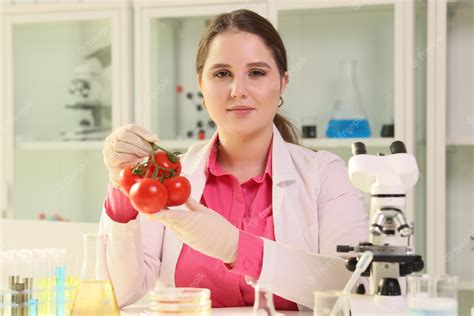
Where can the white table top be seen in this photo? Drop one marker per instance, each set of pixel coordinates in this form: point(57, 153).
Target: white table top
point(136, 310)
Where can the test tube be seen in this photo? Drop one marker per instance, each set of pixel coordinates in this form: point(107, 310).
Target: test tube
point(29, 303)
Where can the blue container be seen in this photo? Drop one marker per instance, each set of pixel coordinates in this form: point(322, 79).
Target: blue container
point(355, 128)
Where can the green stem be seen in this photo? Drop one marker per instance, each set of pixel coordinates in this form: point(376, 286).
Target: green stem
point(171, 156)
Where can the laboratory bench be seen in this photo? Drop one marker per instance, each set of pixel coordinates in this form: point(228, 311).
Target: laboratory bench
point(234, 311)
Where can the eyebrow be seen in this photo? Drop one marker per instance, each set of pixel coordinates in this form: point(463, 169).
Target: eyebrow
point(255, 64)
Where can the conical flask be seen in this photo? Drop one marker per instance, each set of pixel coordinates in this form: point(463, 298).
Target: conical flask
point(348, 117)
point(95, 295)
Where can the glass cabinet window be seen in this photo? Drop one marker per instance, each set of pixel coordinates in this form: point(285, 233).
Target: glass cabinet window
point(176, 100)
point(64, 88)
point(330, 49)
point(460, 142)
point(62, 73)
point(62, 96)
point(59, 184)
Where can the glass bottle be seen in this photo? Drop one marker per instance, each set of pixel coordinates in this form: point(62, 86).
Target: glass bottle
point(388, 126)
point(348, 117)
point(95, 294)
point(263, 304)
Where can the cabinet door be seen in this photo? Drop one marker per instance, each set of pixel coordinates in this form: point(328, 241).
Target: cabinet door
point(450, 201)
point(322, 38)
point(460, 142)
point(64, 89)
point(168, 100)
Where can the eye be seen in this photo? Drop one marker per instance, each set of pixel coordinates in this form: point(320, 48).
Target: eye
point(222, 74)
point(257, 73)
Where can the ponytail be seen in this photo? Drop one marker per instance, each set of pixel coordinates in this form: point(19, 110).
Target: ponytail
point(287, 130)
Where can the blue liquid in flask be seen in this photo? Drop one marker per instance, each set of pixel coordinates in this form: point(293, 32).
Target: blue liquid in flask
point(348, 128)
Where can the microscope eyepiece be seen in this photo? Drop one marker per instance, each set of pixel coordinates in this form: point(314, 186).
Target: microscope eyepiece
point(398, 147)
point(358, 148)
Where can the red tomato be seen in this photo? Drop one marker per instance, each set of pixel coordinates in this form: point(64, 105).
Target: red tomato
point(127, 179)
point(164, 161)
point(148, 196)
point(178, 189)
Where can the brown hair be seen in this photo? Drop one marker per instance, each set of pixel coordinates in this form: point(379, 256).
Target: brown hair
point(250, 22)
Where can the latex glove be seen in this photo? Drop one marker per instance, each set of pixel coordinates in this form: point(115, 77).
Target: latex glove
point(203, 229)
point(126, 146)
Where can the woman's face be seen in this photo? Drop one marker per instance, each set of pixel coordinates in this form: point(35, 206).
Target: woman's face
point(241, 83)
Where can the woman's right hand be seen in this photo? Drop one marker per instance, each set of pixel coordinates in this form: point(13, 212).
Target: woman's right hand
point(126, 146)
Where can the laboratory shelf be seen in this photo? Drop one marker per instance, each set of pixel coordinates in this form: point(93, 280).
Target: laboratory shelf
point(460, 141)
point(184, 144)
point(316, 143)
point(313, 143)
point(60, 145)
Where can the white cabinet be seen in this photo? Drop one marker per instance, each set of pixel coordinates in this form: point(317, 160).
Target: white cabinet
point(450, 151)
point(65, 86)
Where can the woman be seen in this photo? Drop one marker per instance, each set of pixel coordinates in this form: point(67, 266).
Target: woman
point(268, 207)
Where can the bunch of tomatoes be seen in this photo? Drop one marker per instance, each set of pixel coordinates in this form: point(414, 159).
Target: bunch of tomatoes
point(155, 183)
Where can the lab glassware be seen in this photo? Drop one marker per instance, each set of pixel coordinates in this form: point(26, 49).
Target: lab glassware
point(348, 117)
point(432, 295)
point(324, 302)
point(388, 126)
point(263, 304)
point(309, 127)
point(95, 295)
point(182, 301)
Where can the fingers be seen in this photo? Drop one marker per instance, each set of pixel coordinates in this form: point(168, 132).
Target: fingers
point(192, 204)
point(114, 159)
point(141, 132)
point(133, 149)
point(127, 144)
point(167, 217)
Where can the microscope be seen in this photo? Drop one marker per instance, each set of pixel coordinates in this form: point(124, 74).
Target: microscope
point(89, 94)
point(387, 178)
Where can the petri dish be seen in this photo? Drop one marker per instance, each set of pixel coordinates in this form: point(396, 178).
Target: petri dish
point(181, 301)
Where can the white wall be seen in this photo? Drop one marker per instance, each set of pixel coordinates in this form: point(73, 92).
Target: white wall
point(26, 234)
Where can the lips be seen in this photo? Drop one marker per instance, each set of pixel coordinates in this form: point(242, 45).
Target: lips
point(240, 108)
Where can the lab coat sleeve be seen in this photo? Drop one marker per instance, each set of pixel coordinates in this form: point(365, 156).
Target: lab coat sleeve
point(133, 255)
point(295, 274)
point(342, 217)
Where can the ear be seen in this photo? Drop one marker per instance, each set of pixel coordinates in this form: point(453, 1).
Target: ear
point(199, 82)
point(285, 79)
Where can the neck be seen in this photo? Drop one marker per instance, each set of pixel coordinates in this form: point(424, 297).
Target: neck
point(245, 156)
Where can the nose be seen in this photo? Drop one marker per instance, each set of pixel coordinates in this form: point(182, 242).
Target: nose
point(239, 87)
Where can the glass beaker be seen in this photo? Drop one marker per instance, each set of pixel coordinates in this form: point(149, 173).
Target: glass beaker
point(95, 294)
point(348, 117)
point(429, 295)
point(263, 304)
point(325, 303)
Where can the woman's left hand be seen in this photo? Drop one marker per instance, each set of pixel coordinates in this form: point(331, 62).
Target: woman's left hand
point(203, 229)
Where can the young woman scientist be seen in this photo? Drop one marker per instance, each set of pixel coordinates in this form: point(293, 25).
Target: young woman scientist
point(268, 208)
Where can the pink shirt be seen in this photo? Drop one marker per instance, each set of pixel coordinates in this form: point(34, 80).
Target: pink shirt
point(248, 206)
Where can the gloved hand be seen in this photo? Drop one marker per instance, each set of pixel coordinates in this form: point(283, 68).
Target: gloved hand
point(126, 146)
point(203, 229)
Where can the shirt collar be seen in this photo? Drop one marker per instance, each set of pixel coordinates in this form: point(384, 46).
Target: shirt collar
point(215, 169)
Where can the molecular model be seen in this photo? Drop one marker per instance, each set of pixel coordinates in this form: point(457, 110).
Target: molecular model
point(203, 127)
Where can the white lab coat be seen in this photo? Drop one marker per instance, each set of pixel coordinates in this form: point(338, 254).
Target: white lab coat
point(142, 253)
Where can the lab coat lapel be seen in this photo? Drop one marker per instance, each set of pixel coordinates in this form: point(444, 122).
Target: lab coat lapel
point(282, 174)
point(288, 209)
point(193, 166)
